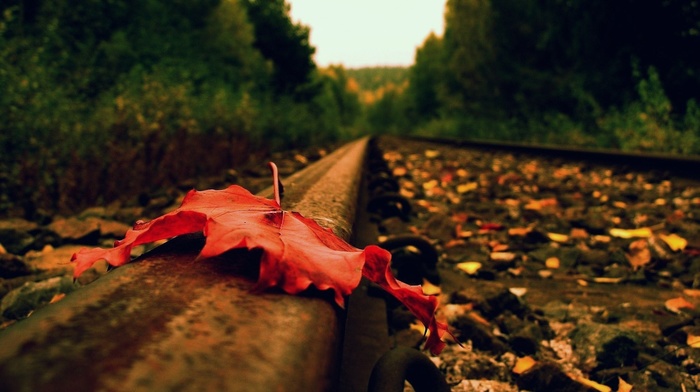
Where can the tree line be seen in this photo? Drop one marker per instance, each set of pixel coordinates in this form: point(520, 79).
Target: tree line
point(620, 74)
point(107, 99)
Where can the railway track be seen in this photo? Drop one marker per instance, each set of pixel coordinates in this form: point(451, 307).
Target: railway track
point(168, 322)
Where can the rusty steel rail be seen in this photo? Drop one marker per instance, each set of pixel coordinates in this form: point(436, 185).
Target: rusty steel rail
point(169, 322)
point(686, 166)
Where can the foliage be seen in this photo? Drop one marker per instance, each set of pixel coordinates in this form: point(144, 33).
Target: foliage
point(562, 71)
point(374, 78)
point(284, 43)
point(647, 123)
point(92, 89)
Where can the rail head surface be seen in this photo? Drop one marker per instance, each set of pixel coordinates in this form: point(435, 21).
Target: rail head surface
point(170, 322)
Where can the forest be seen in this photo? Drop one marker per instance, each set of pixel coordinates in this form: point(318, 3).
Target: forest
point(105, 99)
point(620, 75)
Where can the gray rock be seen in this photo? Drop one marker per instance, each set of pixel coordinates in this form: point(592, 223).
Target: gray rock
point(75, 230)
point(21, 301)
point(548, 376)
point(603, 346)
point(16, 235)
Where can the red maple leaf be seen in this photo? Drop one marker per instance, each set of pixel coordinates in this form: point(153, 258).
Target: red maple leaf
point(297, 251)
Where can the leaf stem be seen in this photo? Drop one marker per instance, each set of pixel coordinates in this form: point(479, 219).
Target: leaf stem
point(275, 182)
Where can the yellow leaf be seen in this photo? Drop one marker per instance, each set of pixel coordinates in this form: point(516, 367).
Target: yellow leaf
point(523, 364)
point(470, 267)
point(468, 187)
point(430, 184)
point(593, 384)
point(552, 262)
point(644, 232)
point(429, 288)
point(432, 153)
point(693, 341)
point(556, 237)
point(623, 386)
point(674, 241)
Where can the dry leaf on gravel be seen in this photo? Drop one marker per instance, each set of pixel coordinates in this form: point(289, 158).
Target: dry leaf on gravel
point(639, 253)
point(675, 305)
point(674, 241)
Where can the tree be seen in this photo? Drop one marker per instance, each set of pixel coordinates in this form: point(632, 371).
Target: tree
point(426, 87)
point(284, 43)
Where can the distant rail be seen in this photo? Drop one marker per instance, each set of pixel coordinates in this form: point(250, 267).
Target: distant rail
point(169, 322)
point(687, 166)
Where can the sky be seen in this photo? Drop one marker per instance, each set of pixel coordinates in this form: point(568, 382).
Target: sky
point(363, 33)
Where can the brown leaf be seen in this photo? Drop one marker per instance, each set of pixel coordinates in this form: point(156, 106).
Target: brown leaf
point(639, 254)
point(677, 304)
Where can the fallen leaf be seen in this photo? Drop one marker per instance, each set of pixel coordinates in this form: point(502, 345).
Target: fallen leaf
point(604, 279)
point(674, 241)
point(593, 384)
point(297, 251)
point(399, 171)
point(464, 188)
point(556, 237)
point(537, 205)
point(502, 256)
point(675, 305)
point(518, 291)
point(519, 231)
point(639, 253)
point(603, 239)
point(695, 293)
point(524, 364)
point(429, 185)
point(552, 262)
point(470, 267)
point(57, 297)
point(499, 247)
point(619, 204)
point(429, 288)
point(693, 340)
point(644, 232)
point(432, 153)
point(623, 386)
point(578, 233)
point(490, 226)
